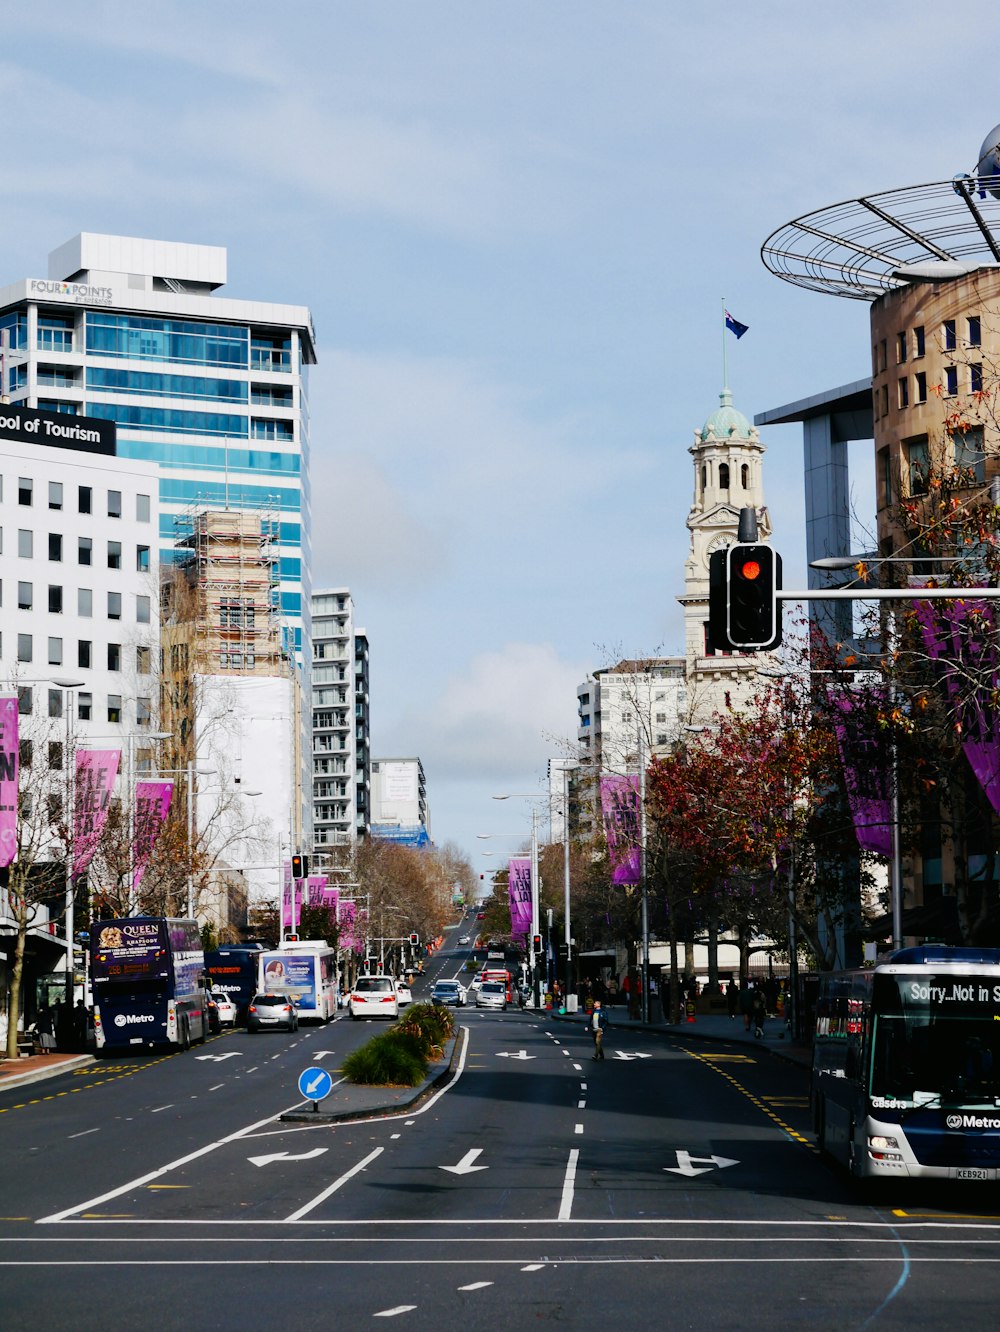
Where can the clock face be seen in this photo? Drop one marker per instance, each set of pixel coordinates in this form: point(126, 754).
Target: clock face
point(720, 542)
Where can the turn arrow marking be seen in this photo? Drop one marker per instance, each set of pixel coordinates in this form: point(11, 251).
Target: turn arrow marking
point(685, 1164)
point(284, 1156)
point(521, 1054)
point(465, 1166)
point(620, 1054)
point(233, 1054)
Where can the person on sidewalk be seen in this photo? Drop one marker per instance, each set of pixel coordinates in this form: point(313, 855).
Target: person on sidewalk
point(596, 1026)
point(45, 1027)
point(746, 1004)
point(759, 1011)
point(732, 997)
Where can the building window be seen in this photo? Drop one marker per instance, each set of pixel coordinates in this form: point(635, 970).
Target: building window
point(918, 341)
point(114, 503)
point(25, 544)
point(55, 703)
point(114, 605)
point(114, 656)
point(55, 546)
point(975, 331)
point(84, 602)
point(951, 380)
point(55, 651)
point(84, 649)
point(970, 453)
point(24, 701)
point(114, 554)
point(723, 476)
point(885, 476)
point(884, 399)
point(55, 495)
point(25, 596)
point(901, 349)
point(919, 464)
point(84, 706)
point(920, 383)
point(976, 378)
point(904, 393)
point(142, 559)
point(143, 711)
point(55, 756)
point(55, 600)
point(84, 550)
point(142, 508)
point(114, 708)
point(24, 652)
point(84, 499)
point(949, 335)
point(745, 476)
point(143, 660)
point(25, 490)
point(142, 610)
point(883, 358)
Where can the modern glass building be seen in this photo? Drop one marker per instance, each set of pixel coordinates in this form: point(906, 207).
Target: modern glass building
point(212, 390)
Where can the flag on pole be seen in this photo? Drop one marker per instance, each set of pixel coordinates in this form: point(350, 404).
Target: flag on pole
point(735, 326)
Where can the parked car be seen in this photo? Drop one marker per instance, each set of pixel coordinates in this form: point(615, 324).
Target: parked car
point(449, 992)
point(272, 1011)
point(228, 1012)
point(373, 997)
point(403, 994)
point(492, 994)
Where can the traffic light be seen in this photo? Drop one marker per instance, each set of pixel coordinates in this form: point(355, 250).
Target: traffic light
point(300, 867)
point(536, 943)
point(753, 613)
point(414, 940)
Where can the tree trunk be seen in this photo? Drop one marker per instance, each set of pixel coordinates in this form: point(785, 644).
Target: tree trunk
point(675, 988)
point(713, 956)
point(744, 946)
point(689, 967)
point(14, 1009)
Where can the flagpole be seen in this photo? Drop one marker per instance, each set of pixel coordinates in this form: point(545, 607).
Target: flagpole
point(725, 358)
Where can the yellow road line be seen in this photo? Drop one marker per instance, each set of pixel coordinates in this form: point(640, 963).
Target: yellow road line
point(754, 1100)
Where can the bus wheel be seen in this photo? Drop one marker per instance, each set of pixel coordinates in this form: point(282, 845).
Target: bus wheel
point(185, 1037)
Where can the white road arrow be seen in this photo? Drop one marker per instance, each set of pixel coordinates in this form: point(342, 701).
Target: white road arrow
point(521, 1054)
point(620, 1054)
point(284, 1156)
point(465, 1166)
point(216, 1059)
point(685, 1164)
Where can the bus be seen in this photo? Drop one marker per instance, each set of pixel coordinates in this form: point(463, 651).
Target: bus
point(307, 971)
point(906, 1066)
point(232, 970)
point(147, 975)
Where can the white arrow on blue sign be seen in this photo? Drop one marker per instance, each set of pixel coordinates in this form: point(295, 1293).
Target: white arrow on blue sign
point(315, 1083)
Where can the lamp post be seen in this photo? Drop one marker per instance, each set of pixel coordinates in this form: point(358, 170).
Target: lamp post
point(68, 687)
point(532, 963)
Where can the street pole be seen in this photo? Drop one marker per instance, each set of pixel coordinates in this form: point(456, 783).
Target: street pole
point(534, 905)
point(644, 975)
point(566, 921)
point(190, 829)
point(68, 759)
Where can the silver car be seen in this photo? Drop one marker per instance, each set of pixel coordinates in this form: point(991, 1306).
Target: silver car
point(492, 994)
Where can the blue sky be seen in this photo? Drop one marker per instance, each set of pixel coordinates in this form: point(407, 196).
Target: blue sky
point(514, 222)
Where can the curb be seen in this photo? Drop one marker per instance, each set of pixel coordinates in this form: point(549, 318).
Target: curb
point(419, 1095)
point(41, 1074)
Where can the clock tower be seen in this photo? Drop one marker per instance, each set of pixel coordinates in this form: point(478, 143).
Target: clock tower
point(728, 476)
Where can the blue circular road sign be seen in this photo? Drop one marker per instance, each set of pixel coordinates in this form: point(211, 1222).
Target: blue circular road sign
point(315, 1083)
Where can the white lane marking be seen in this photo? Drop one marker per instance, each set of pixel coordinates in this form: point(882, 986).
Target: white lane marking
point(578, 1067)
point(583, 1086)
point(394, 1136)
point(86, 1131)
point(476, 1285)
point(567, 1054)
point(533, 1267)
point(337, 1183)
point(566, 1202)
point(465, 1166)
point(254, 1069)
point(391, 1313)
point(581, 1105)
point(161, 1107)
point(578, 1128)
point(217, 1086)
point(286, 1156)
point(139, 1183)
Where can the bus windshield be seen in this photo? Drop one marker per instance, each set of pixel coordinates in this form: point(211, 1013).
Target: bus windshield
point(936, 1040)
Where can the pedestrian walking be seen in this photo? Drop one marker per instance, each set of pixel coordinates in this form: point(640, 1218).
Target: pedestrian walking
point(759, 1011)
point(746, 1004)
point(596, 1026)
point(732, 997)
point(45, 1026)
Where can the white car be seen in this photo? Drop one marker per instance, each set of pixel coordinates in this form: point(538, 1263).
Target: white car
point(493, 994)
point(373, 997)
point(403, 994)
point(228, 1011)
point(464, 939)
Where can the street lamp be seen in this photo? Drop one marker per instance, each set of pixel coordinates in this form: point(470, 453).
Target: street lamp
point(68, 687)
point(527, 795)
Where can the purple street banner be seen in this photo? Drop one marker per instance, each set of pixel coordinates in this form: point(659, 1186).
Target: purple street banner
point(96, 770)
point(961, 636)
point(346, 912)
point(317, 889)
point(867, 775)
point(8, 780)
point(519, 892)
point(152, 804)
point(620, 808)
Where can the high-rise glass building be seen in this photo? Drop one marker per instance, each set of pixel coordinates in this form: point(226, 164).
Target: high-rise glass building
point(211, 389)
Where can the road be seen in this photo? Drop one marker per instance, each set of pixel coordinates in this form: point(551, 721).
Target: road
point(675, 1182)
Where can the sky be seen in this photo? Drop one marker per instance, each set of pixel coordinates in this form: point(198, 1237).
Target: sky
point(515, 223)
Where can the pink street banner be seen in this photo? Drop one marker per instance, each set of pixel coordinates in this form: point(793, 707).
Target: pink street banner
point(519, 892)
point(96, 770)
point(864, 758)
point(346, 912)
point(620, 809)
point(8, 780)
point(152, 804)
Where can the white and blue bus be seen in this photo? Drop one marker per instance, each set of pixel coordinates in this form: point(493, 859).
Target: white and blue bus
point(306, 971)
point(906, 1065)
point(148, 981)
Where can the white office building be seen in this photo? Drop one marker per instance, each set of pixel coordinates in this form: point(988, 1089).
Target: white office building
point(400, 812)
point(340, 753)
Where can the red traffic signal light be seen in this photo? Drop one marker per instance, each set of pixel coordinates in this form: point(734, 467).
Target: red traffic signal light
point(753, 612)
point(536, 943)
point(300, 867)
point(414, 940)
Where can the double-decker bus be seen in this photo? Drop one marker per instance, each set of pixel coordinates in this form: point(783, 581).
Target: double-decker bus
point(148, 979)
point(906, 1065)
point(306, 970)
point(232, 969)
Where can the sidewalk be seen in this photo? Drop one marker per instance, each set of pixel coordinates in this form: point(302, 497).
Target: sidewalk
point(36, 1068)
point(709, 1027)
